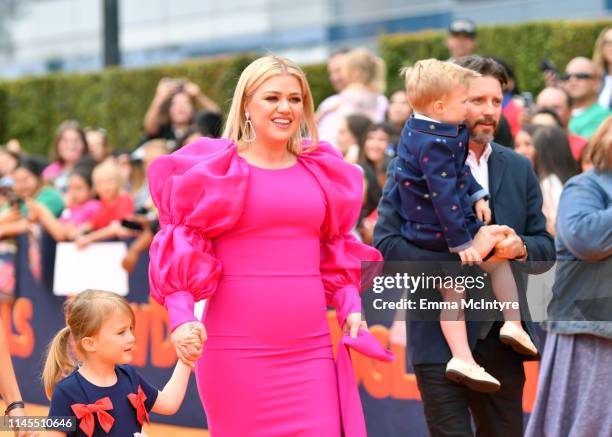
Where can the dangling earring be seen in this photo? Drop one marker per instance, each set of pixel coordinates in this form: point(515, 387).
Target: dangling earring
point(248, 134)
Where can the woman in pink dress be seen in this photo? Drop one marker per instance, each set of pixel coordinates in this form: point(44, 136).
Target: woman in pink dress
point(259, 225)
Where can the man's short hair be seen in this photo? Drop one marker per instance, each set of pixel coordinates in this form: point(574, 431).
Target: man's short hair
point(429, 80)
point(551, 112)
point(484, 66)
point(568, 98)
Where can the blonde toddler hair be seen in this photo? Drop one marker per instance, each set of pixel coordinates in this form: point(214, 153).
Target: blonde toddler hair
point(429, 80)
point(370, 68)
point(85, 314)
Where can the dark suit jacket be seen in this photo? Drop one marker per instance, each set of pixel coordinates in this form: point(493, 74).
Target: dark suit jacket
point(516, 201)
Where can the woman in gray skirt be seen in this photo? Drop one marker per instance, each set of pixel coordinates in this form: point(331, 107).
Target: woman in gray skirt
point(574, 391)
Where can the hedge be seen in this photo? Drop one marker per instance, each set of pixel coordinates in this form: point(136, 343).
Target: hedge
point(117, 99)
point(522, 46)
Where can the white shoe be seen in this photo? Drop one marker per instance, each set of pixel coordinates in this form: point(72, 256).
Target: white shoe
point(472, 376)
point(517, 338)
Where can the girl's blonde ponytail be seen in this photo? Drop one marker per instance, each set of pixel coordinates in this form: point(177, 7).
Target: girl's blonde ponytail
point(58, 361)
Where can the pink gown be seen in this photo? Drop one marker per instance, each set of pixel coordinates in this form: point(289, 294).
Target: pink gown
point(269, 249)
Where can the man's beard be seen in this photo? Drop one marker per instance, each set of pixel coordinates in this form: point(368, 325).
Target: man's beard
point(483, 138)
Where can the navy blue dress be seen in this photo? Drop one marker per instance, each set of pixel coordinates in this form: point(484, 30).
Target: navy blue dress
point(75, 389)
point(436, 188)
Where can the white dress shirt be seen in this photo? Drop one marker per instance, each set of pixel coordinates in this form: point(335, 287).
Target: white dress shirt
point(480, 167)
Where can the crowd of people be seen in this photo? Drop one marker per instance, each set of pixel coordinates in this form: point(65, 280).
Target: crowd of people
point(88, 191)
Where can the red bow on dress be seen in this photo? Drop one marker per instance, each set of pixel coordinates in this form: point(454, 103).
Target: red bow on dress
point(86, 413)
point(138, 402)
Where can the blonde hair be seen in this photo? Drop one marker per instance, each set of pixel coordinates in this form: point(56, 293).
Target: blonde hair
point(85, 314)
point(430, 79)
point(601, 65)
point(371, 69)
point(256, 73)
point(108, 165)
point(600, 146)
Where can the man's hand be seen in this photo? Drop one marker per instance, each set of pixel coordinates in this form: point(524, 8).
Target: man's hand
point(188, 340)
point(510, 247)
point(488, 237)
point(483, 212)
point(470, 256)
point(550, 78)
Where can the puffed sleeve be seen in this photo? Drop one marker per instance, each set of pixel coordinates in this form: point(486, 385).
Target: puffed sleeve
point(199, 193)
point(341, 253)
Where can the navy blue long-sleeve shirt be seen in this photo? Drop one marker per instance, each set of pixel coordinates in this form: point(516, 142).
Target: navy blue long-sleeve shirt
point(436, 188)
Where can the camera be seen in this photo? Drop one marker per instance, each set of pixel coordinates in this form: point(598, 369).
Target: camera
point(12, 198)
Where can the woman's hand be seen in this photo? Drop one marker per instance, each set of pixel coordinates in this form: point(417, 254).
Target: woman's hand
point(33, 209)
point(188, 340)
point(20, 412)
point(166, 87)
point(10, 215)
point(352, 325)
point(192, 89)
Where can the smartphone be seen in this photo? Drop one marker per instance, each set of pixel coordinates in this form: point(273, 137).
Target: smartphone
point(131, 225)
point(548, 65)
point(528, 99)
point(10, 195)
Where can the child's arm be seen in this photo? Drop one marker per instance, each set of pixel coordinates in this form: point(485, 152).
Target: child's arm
point(171, 397)
point(474, 189)
point(437, 164)
point(40, 213)
point(114, 230)
point(483, 212)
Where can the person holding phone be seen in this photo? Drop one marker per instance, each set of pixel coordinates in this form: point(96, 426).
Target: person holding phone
point(172, 110)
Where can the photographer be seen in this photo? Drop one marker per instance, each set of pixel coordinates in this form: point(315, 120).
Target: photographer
point(173, 108)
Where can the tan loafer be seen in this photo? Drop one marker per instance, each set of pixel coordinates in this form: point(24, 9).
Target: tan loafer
point(473, 377)
point(517, 338)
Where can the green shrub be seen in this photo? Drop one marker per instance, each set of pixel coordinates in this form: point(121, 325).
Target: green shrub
point(117, 99)
point(522, 46)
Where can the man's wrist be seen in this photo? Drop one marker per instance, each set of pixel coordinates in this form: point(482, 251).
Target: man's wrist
point(525, 253)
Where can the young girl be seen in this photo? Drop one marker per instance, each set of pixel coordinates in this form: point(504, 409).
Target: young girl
point(105, 394)
point(70, 146)
point(80, 207)
point(115, 205)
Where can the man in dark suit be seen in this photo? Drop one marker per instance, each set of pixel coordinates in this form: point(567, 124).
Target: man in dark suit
point(515, 201)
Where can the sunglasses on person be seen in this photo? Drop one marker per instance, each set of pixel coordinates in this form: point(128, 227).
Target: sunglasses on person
point(583, 76)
